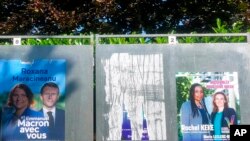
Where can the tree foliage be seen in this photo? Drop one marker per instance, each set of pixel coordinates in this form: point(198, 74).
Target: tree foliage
point(52, 17)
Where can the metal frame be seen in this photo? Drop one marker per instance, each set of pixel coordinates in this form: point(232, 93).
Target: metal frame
point(91, 37)
point(247, 35)
point(95, 38)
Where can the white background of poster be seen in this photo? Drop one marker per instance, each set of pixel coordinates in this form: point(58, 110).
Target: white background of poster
point(137, 82)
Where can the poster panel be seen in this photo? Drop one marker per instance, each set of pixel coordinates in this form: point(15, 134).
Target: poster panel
point(32, 98)
point(134, 95)
point(207, 104)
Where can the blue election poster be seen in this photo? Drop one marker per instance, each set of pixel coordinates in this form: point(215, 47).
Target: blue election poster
point(32, 100)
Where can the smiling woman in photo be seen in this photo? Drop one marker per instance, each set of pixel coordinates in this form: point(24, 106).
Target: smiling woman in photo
point(17, 109)
point(222, 116)
point(194, 114)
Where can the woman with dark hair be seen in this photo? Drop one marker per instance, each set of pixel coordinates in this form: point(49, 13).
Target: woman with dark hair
point(194, 114)
point(17, 110)
point(222, 117)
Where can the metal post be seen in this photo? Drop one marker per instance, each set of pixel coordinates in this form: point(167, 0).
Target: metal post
point(248, 37)
point(97, 39)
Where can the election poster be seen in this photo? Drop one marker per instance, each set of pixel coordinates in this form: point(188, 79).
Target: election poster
point(134, 88)
point(207, 103)
point(32, 99)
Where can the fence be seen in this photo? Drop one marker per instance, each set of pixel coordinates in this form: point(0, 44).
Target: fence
point(132, 39)
point(131, 91)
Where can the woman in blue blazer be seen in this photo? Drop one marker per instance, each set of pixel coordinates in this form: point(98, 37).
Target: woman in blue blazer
point(193, 114)
point(18, 113)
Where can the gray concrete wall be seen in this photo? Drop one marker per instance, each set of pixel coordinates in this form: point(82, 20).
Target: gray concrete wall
point(221, 57)
point(79, 83)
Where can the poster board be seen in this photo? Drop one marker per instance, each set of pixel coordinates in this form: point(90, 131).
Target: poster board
point(185, 58)
point(69, 67)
